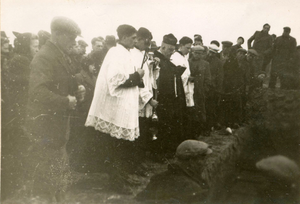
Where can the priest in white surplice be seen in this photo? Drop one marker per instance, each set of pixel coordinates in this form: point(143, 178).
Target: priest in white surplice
point(115, 106)
point(180, 58)
point(147, 101)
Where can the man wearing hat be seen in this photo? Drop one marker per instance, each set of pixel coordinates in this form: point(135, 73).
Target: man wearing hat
point(183, 180)
point(200, 71)
point(283, 61)
point(52, 99)
point(263, 45)
point(198, 40)
point(217, 74)
point(171, 97)
point(115, 106)
point(44, 36)
point(82, 47)
point(226, 51)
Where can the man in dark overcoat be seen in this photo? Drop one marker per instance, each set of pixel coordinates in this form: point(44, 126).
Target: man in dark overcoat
point(262, 43)
point(200, 71)
point(171, 97)
point(284, 50)
point(52, 90)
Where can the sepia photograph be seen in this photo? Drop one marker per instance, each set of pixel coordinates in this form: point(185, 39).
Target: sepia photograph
point(150, 102)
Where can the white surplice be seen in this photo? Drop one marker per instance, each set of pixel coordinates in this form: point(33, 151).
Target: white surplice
point(146, 93)
point(114, 109)
point(179, 60)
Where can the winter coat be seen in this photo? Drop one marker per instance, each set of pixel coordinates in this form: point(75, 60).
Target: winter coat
point(51, 81)
point(284, 50)
point(200, 70)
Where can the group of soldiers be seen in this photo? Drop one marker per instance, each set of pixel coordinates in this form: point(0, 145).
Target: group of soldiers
point(134, 96)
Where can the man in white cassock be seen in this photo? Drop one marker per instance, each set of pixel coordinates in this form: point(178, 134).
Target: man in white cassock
point(114, 109)
point(115, 106)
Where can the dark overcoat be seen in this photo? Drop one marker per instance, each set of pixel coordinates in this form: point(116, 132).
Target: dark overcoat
point(172, 106)
point(51, 81)
point(284, 50)
point(200, 70)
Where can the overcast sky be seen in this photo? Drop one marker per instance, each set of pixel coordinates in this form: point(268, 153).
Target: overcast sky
point(213, 19)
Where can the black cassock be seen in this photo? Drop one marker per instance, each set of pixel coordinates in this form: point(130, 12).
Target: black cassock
point(171, 110)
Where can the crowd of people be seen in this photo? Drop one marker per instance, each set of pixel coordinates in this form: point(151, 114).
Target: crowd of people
point(135, 97)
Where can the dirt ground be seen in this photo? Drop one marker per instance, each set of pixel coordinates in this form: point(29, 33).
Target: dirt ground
point(90, 188)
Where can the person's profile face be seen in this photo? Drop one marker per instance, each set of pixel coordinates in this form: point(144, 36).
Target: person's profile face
point(130, 41)
point(185, 49)
point(170, 49)
point(98, 46)
point(92, 69)
point(34, 47)
point(66, 42)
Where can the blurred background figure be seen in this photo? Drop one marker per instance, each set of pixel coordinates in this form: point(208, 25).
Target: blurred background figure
point(44, 36)
point(217, 75)
point(283, 61)
point(283, 179)
point(83, 146)
point(238, 44)
point(27, 45)
point(198, 40)
point(200, 71)
point(262, 43)
point(15, 97)
point(82, 47)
